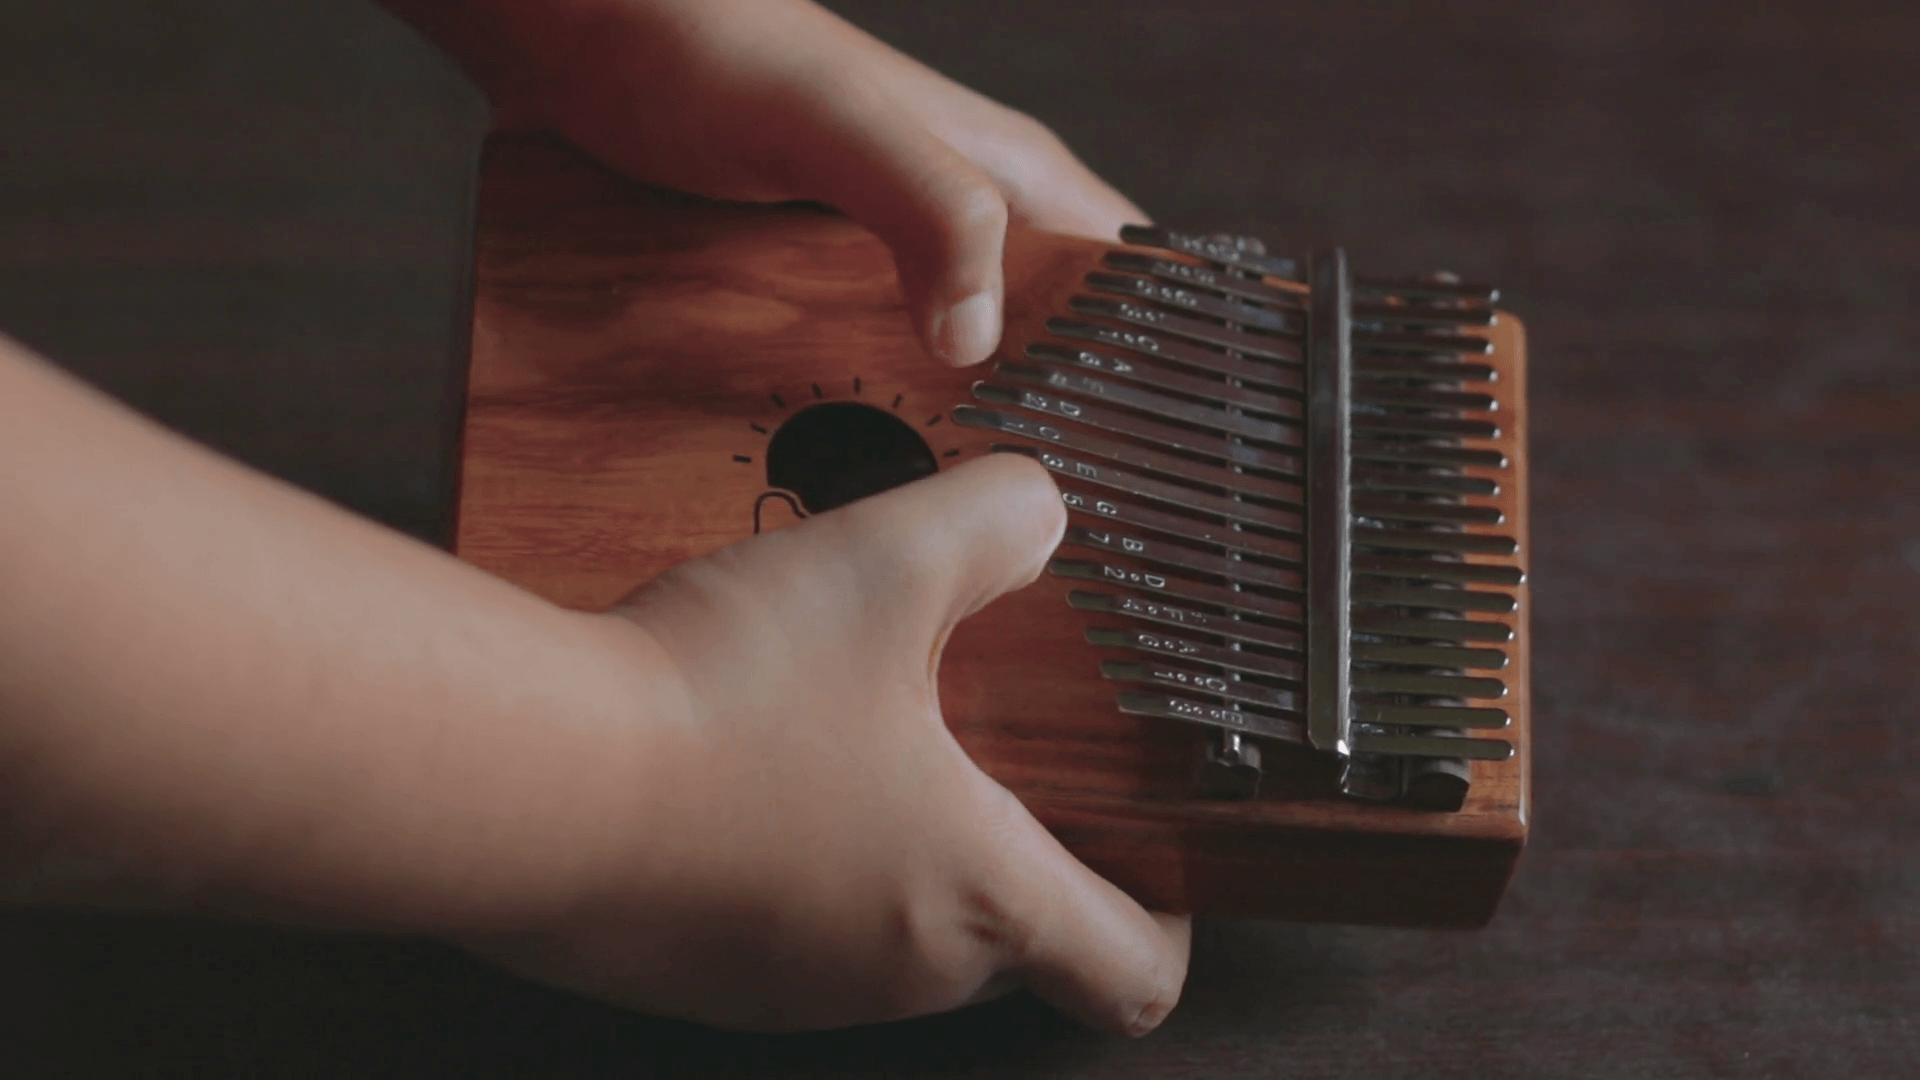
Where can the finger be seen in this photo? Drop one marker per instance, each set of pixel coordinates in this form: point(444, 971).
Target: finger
point(1081, 944)
point(1046, 186)
point(1068, 198)
point(943, 218)
point(962, 537)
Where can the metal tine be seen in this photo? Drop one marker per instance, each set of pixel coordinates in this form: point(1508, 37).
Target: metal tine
point(1251, 663)
point(1373, 593)
point(1422, 397)
point(1223, 626)
point(1438, 570)
point(1239, 601)
point(1162, 378)
point(1402, 424)
point(1139, 457)
point(1427, 453)
point(1433, 540)
point(1433, 656)
point(1229, 310)
point(1422, 343)
point(1223, 686)
point(1421, 482)
point(1176, 525)
point(1239, 252)
point(1367, 680)
point(1146, 487)
point(1280, 432)
point(1207, 277)
point(1200, 330)
point(1430, 629)
point(1161, 553)
point(1388, 508)
point(1421, 368)
point(1169, 707)
point(1429, 287)
point(1438, 746)
point(1199, 442)
point(1424, 314)
point(1180, 352)
point(1454, 716)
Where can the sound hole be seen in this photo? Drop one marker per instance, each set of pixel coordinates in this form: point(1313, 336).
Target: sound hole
point(833, 453)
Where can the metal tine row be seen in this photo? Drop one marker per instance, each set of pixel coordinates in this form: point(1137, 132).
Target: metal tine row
point(1238, 600)
point(1221, 480)
point(1189, 368)
point(1206, 444)
point(1228, 395)
point(1168, 707)
point(1242, 691)
point(1186, 649)
point(1266, 345)
point(1273, 309)
point(1229, 422)
point(1243, 253)
point(1194, 620)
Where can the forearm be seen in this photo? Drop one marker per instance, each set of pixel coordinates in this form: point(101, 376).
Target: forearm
point(219, 693)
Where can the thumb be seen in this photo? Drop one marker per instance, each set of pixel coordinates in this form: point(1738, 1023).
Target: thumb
point(958, 539)
point(1084, 946)
point(964, 537)
point(944, 219)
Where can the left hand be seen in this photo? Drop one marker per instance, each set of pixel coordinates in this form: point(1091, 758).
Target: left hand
point(770, 100)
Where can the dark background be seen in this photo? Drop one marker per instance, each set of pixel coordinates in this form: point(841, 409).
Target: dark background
point(248, 220)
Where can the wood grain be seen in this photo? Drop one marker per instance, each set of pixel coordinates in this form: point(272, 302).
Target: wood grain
point(634, 353)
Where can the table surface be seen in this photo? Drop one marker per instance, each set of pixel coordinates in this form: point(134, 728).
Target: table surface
point(248, 220)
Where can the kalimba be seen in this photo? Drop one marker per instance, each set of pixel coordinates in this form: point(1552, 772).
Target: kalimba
point(1278, 667)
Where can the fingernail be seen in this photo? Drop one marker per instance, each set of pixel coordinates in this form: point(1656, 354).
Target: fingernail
point(1151, 1015)
point(967, 332)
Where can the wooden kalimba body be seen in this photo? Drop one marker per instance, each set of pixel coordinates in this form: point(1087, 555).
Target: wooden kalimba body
point(1279, 666)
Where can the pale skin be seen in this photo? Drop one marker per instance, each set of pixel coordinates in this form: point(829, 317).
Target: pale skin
point(731, 798)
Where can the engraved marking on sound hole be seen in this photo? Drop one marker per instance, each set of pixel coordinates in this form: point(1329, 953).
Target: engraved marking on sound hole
point(838, 451)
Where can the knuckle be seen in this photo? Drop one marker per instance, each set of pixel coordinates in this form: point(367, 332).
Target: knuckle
point(994, 927)
point(970, 204)
point(1027, 129)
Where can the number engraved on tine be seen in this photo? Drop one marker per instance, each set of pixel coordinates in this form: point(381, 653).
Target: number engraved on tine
point(1163, 644)
point(1190, 678)
point(1080, 502)
point(1134, 577)
point(1104, 363)
point(1131, 340)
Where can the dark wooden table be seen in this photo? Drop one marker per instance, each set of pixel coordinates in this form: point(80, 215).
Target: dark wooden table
point(247, 220)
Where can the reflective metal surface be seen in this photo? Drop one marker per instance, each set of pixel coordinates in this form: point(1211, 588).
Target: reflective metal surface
point(1270, 521)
